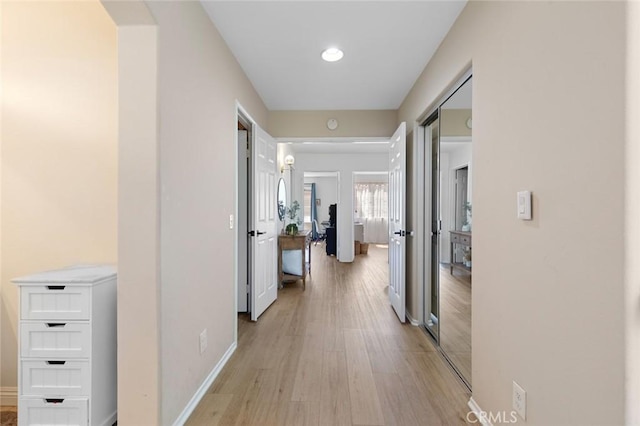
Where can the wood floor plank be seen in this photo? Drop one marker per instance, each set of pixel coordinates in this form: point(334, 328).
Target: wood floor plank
point(302, 414)
point(365, 405)
point(335, 406)
point(395, 404)
point(210, 409)
point(455, 317)
point(334, 354)
point(309, 369)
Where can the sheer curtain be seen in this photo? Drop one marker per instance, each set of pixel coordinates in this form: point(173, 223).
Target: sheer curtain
point(371, 206)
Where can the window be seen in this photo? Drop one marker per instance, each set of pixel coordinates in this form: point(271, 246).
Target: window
point(306, 207)
point(371, 200)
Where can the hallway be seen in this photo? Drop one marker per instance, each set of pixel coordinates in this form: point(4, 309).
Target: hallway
point(334, 354)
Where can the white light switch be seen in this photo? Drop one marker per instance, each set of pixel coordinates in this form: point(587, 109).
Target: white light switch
point(524, 205)
point(230, 221)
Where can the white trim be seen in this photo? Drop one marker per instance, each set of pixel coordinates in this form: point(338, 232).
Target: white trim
point(241, 115)
point(419, 207)
point(350, 139)
point(453, 139)
point(475, 409)
point(447, 92)
point(240, 111)
point(414, 322)
point(202, 390)
point(9, 396)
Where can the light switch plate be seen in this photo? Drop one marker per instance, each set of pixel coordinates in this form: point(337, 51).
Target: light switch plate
point(231, 221)
point(524, 205)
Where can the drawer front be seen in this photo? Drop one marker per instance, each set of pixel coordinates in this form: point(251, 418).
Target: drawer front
point(53, 412)
point(55, 302)
point(51, 340)
point(55, 377)
point(465, 240)
point(455, 238)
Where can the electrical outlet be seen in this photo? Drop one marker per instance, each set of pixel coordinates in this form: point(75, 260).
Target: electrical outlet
point(520, 400)
point(203, 341)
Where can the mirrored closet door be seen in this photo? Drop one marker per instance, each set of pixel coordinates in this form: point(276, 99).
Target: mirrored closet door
point(449, 170)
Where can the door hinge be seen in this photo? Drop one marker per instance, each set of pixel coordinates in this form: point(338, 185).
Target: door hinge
point(248, 288)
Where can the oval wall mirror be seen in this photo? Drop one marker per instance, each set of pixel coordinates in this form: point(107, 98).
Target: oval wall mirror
point(282, 199)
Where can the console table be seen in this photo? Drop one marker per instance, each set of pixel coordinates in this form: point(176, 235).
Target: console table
point(302, 242)
point(461, 238)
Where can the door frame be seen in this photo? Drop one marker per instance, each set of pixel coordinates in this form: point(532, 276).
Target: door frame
point(423, 216)
point(422, 268)
point(242, 116)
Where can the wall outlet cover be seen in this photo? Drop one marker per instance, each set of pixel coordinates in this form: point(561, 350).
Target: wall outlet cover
point(520, 400)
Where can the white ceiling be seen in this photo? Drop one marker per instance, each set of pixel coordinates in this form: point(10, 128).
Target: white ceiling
point(386, 46)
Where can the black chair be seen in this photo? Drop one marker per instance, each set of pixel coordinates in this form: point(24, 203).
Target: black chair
point(321, 234)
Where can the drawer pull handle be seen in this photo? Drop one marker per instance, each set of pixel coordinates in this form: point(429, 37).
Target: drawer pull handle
point(56, 287)
point(54, 400)
point(56, 324)
point(56, 362)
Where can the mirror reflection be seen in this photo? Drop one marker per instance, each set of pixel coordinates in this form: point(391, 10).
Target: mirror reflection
point(282, 199)
point(455, 238)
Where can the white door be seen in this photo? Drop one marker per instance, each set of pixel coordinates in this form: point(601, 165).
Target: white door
point(264, 274)
point(397, 231)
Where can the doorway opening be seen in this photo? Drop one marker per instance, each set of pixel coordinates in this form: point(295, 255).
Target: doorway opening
point(321, 196)
point(242, 217)
point(371, 211)
point(256, 217)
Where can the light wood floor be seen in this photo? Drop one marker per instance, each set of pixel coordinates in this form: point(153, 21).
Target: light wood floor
point(334, 354)
point(455, 318)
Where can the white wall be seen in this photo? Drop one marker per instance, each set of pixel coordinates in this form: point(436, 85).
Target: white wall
point(450, 160)
point(632, 209)
point(199, 82)
point(345, 164)
point(357, 123)
point(381, 177)
point(545, 290)
point(59, 147)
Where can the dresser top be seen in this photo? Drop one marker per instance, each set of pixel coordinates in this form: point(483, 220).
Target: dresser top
point(76, 274)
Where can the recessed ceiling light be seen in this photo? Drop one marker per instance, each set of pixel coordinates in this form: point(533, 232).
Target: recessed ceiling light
point(332, 54)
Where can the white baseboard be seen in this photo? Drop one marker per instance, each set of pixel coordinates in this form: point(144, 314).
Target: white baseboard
point(9, 396)
point(202, 390)
point(475, 408)
point(414, 322)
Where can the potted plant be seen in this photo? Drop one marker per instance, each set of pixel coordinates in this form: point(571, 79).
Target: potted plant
point(294, 221)
point(466, 220)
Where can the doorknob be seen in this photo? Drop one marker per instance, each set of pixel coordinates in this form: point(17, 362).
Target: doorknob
point(253, 233)
point(401, 233)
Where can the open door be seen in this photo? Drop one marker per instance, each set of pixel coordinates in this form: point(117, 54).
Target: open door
point(264, 275)
point(397, 231)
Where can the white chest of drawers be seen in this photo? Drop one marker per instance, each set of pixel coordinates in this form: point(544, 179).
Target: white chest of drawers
point(67, 347)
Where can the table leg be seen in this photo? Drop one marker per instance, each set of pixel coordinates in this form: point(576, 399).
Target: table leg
point(451, 259)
